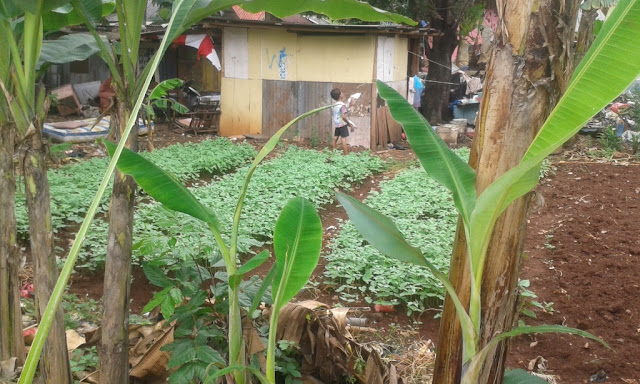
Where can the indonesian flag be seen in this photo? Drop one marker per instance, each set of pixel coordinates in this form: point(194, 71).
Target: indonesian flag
point(204, 44)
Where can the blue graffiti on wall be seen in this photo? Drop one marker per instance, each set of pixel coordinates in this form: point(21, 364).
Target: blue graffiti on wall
point(283, 62)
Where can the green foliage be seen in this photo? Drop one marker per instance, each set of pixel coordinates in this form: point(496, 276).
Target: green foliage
point(610, 141)
point(73, 185)
point(588, 92)
point(198, 340)
point(520, 376)
point(169, 236)
point(424, 212)
point(76, 310)
point(297, 241)
point(635, 144)
point(83, 360)
point(158, 98)
point(528, 301)
point(286, 364)
point(472, 16)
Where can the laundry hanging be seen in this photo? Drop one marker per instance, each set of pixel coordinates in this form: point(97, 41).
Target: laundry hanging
point(204, 44)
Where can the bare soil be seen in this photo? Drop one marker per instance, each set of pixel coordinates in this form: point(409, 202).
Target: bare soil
point(582, 255)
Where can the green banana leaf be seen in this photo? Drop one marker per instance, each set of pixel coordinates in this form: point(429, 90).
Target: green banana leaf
point(161, 89)
point(435, 156)
point(382, 233)
point(68, 48)
point(36, 6)
point(162, 186)
point(297, 241)
point(594, 84)
point(75, 12)
point(478, 359)
point(335, 9)
point(520, 376)
point(247, 267)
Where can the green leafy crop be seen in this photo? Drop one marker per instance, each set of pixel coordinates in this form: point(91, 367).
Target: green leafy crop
point(424, 211)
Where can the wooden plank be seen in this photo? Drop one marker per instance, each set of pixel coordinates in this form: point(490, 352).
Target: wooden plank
point(373, 132)
point(394, 128)
point(383, 137)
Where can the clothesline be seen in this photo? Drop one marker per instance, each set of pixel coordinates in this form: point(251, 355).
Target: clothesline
point(431, 61)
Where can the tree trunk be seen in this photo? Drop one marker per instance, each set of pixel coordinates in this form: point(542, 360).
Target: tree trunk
point(54, 364)
point(11, 340)
point(435, 99)
point(525, 77)
point(114, 349)
point(586, 33)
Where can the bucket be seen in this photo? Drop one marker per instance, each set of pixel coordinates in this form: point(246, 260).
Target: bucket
point(460, 123)
point(448, 133)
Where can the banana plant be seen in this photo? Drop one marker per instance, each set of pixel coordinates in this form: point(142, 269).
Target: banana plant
point(592, 86)
point(297, 241)
point(23, 107)
point(185, 13)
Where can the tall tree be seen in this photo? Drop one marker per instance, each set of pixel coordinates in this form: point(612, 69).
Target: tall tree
point(586, 27)
point(529, 69)
point(435, 99)
point(23, 107)
point(11, 340)
point(27, 106)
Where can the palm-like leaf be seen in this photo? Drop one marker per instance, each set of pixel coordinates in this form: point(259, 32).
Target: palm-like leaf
point(435, 156)
point(162, 186)
point(68, 48)
point(297, 240)
point(335, 9)
point(76, 13)
point(382, 234)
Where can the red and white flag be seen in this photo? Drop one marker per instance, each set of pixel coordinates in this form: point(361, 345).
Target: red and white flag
point(203, 44)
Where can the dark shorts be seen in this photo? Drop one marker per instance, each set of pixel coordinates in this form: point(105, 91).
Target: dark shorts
point(342, 131)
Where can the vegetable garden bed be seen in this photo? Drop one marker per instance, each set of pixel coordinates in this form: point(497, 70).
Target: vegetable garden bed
point(423, 210)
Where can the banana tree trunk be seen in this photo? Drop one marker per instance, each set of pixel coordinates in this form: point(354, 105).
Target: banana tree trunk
point(54, 363)
point(11, 340)
point(525, 77)
point(114, 350)
point(586, 33)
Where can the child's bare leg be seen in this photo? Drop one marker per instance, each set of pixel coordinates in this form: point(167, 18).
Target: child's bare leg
point(334, 142)
point(344, 146)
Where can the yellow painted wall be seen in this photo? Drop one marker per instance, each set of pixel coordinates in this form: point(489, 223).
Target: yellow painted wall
point(272, 54)
point(241, 106)
point(400, 58)
point(340, 59)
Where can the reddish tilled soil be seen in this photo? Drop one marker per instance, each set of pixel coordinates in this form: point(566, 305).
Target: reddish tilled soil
point(584, 254)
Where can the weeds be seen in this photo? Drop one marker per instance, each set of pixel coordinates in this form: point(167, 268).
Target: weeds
point(528, 302)
point(610, 142)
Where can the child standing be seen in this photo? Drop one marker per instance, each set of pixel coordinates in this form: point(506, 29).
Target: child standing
point(339, 119)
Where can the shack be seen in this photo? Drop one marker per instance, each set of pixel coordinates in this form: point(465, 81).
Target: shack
point(268, 70)
point(274, 70)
